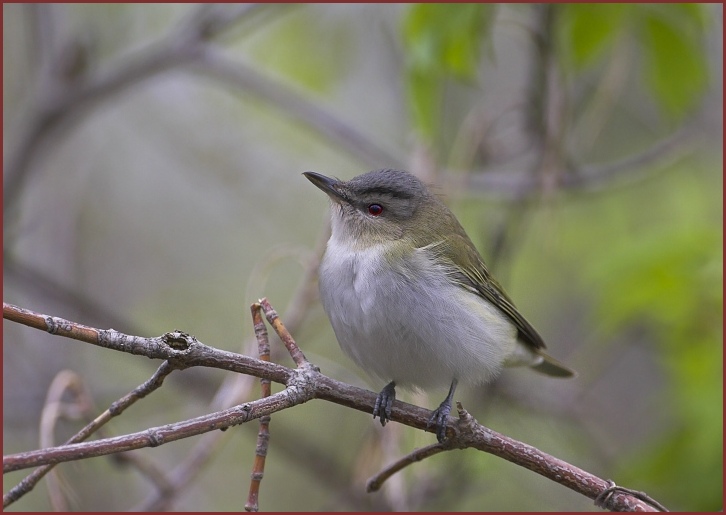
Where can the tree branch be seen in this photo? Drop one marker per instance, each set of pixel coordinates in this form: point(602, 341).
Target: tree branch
point(303, 384)
point(587, 177)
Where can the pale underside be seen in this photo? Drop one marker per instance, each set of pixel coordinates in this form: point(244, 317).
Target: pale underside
point(418, 333)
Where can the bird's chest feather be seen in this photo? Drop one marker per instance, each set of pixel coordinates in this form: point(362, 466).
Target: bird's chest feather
point(409, 323)
point(352, 283)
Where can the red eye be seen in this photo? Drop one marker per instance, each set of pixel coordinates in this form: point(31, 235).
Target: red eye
point(375, 209)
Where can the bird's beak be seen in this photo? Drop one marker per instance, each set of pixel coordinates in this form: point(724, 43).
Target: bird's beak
point(328, 185)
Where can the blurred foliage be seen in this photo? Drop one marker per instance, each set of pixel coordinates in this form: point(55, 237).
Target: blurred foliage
point(669, 281)
point(671, 36)
point(177, 202)
point(315, 64)
point(440, 43)
point(658, 272)
point(444, 44)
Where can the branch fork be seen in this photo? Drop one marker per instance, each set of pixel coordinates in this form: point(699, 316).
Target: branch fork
point(304, 383)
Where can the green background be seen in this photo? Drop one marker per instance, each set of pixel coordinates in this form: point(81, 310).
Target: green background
point(580, 145)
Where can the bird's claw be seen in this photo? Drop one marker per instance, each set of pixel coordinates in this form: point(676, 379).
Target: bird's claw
point(384, 402)
point(439, 420)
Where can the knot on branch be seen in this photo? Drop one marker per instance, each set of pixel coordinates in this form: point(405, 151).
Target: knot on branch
point(465, 425)
point(178, 340)
point(156, 438)
point(301, 385)
point(55, 324)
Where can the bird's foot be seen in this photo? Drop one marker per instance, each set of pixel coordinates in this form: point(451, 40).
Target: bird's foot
point(439, 419)
point(384, 402)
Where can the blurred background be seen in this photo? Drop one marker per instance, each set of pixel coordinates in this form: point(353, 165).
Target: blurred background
point(152, 181)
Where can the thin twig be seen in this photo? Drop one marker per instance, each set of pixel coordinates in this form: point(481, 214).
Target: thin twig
point(272, 317)
point(591, 177)
point(374, 484)
point(56, 408)
point(116, 408)
point(263, 435)
point(586, 177)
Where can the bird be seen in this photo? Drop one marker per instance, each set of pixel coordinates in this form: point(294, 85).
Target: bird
point(409, 297)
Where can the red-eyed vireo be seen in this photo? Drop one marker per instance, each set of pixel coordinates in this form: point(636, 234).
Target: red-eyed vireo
point(410, 298)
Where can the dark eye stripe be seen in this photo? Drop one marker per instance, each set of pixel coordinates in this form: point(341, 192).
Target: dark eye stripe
point(389, 192)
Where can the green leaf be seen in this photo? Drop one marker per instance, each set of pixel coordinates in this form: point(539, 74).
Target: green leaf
point(424, 97)
point(676, 67)
point(674, 64)
point(445, 38)
point(441, 41)
point(590, 29)
point(665, 278)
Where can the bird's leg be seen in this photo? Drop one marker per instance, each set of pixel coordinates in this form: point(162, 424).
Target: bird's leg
point(384, 401)
point(440, 416)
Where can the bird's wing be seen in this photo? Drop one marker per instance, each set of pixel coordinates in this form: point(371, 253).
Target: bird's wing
point(473, 275)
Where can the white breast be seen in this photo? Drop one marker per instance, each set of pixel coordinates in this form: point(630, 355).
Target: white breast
point(423, 332)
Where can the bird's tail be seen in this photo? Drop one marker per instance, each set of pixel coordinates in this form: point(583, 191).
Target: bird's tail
point(551, 367)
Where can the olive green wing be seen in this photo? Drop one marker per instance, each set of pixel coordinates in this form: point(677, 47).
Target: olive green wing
point(473, 275)
point(470, 272)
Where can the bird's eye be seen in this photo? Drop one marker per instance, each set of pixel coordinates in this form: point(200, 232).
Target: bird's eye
point(375, 209)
